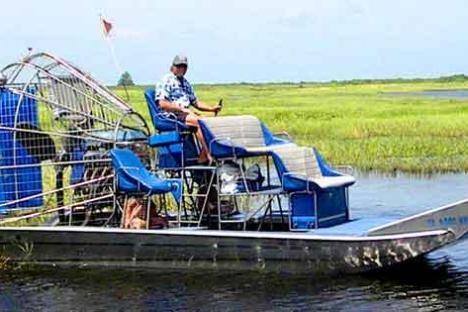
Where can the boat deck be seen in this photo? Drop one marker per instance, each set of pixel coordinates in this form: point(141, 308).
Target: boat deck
point(356, 227)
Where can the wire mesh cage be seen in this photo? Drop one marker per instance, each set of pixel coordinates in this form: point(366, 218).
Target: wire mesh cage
point(57, 125)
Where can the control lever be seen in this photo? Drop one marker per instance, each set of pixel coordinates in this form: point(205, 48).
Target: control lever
point(220, 104)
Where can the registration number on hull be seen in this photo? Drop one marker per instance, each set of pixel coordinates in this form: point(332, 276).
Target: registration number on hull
point(448, 221)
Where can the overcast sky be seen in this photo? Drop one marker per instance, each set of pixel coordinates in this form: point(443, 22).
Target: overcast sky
point(246, 40)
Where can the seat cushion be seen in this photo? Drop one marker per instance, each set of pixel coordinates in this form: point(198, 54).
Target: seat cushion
point(300, 161)
point(243, 131)
point(326, 182)
point(301, 170)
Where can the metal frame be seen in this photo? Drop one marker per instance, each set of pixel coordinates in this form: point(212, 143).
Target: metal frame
point(113, 114)
point(41, 72)
point(269, 194)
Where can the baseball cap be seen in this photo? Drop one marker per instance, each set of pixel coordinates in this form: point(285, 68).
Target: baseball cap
point(180, 60)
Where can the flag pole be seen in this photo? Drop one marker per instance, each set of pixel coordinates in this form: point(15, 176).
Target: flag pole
point(107, 28)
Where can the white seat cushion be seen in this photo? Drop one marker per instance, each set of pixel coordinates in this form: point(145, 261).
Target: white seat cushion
point(326, 182)
point(270, 148)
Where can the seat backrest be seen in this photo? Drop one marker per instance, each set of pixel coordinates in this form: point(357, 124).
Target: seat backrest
point(245, 130)
point(153, 105)
point(161, 121)
point(132, 176)
point(300, 160)
point(125, 158)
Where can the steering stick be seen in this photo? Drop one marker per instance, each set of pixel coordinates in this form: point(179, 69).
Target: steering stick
point(220, 104)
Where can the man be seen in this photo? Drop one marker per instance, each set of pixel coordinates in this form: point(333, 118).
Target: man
point(175, 95)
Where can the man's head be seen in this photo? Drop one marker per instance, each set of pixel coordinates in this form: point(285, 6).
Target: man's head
point(179, 66)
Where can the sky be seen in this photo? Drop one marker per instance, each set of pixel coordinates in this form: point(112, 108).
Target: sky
point(245, 40)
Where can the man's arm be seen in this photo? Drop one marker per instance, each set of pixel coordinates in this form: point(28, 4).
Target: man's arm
point(199, 104)
point(171, 106)
point(205, 107)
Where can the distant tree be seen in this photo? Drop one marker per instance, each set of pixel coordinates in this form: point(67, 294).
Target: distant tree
point(125, 80)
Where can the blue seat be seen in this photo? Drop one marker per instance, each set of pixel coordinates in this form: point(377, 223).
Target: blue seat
point(162, 121)
point(177, 146)
point(239, 137)
point(304, 169)
point(133, 177)
point(164, 139)
point(318, 194)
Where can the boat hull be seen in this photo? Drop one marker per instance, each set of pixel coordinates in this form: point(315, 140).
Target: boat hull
point(204, 249)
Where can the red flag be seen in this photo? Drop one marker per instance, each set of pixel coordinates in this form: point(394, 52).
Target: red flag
point(107, 26)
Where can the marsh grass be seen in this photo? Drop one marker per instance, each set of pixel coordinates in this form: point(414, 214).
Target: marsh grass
point(355, 123)
point(4, 262)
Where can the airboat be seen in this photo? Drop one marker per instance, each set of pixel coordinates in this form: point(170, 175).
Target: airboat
point(85, 180)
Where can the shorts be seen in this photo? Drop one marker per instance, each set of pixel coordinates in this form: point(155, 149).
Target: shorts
point(181, 116)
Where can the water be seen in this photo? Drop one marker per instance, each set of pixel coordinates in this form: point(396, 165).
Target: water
point(450, 94)
point(439, 281)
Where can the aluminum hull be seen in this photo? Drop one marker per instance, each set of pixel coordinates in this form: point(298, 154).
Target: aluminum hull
point(352, 247)
point(204, 249)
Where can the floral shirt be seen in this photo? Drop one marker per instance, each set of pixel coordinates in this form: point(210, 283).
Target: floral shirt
point(175, 90)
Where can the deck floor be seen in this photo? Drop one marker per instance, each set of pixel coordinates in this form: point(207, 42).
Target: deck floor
point(357, 227)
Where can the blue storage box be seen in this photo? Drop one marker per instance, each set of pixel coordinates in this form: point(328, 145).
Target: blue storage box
point(302, 210)
point(17, 183)
point(332, 209)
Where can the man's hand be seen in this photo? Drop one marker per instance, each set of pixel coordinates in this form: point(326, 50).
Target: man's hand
point(218, 107)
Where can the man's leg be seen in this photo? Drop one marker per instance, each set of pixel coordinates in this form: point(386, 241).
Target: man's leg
point(192, 120)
